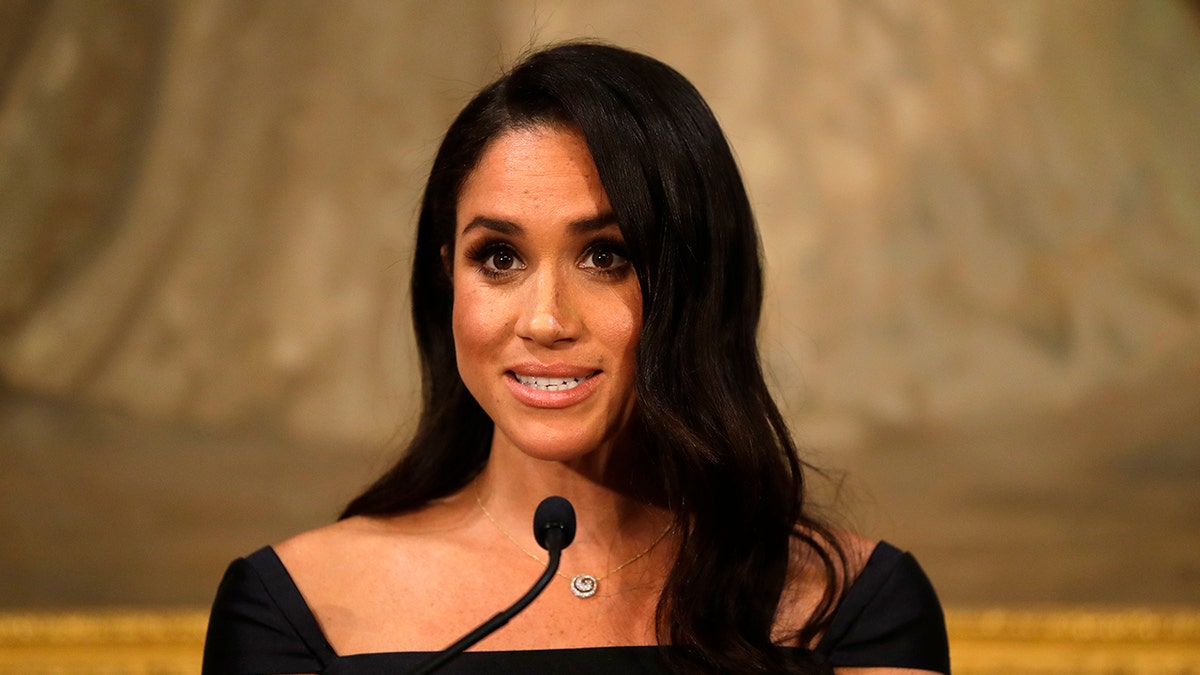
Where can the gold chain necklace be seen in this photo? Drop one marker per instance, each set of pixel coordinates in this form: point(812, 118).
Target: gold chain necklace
point(582, 585)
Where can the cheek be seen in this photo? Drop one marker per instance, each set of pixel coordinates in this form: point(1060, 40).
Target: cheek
point(478, 326)
point(621, 327)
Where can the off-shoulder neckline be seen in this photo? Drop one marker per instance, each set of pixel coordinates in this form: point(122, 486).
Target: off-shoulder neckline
point(282, 588)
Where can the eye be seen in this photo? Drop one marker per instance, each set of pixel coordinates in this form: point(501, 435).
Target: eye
point(501, 260)
point(495, 259)
point(605, 257)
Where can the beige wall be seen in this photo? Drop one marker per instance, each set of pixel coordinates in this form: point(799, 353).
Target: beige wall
point(981, 223)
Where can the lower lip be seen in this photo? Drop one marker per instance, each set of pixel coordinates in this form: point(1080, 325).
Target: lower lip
point(539, 398)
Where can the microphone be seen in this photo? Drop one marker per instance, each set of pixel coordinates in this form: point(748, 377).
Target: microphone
point(554, 529)
point(554, 514)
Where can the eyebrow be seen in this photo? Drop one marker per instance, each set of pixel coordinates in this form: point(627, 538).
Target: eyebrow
point(508, 227)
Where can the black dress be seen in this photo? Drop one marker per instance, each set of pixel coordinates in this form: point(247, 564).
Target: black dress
point(260, 624)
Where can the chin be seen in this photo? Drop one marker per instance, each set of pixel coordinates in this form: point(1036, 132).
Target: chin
point(556, 447)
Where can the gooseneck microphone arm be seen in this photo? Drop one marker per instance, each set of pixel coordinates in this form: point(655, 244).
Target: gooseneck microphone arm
point(554, 528)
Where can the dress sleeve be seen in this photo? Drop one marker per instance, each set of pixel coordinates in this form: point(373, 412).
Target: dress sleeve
point(890, 617)
point(248, 630)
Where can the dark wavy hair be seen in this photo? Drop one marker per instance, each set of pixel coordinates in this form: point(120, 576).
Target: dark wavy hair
point(715, 443)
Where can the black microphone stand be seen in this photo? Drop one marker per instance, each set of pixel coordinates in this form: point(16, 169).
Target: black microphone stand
point(554, 544)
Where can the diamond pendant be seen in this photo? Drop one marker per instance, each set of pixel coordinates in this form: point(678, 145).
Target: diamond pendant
point(584, 586)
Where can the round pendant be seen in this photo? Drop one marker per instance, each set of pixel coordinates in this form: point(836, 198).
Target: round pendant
point(584, 586)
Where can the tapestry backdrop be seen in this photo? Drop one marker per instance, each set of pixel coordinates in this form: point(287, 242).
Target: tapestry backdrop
point(981, 225)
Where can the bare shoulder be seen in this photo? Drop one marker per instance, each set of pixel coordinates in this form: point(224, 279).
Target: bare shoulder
point(352, 552)
point(355, 573)
point(857, 549)
point(810, 578)
point(353, 533)
point(848, 551)
point(331, 544)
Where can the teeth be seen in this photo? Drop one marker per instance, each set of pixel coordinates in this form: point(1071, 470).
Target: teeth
point(550, 383)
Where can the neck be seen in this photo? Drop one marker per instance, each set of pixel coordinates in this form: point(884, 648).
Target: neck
point(604, 513)
point(614, 523)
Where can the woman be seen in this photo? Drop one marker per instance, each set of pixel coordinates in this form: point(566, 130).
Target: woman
point(586, 293)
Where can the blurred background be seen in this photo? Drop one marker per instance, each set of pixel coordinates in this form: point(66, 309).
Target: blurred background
point(981, 223)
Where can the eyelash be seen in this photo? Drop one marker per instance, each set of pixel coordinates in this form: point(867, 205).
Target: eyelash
point(485, 250)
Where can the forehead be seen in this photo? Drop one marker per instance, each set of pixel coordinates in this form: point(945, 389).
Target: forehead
point(559, 148)
point(534, 173)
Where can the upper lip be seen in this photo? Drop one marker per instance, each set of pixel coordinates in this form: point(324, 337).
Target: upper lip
point(563, 370)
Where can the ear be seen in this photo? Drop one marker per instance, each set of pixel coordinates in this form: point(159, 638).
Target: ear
point(448, 261)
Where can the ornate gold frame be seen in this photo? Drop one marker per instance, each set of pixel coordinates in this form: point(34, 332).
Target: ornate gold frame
point(1008, 641)
point(110, 641)
point(1085, 641)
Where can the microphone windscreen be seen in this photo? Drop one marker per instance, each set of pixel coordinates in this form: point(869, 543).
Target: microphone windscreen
point(554, 512)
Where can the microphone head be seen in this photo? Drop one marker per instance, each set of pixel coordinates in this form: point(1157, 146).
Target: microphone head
point(551, 513)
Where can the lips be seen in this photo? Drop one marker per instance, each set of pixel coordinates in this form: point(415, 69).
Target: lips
point(542, 386)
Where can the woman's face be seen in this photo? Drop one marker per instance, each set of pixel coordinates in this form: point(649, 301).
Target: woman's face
point(547, 310)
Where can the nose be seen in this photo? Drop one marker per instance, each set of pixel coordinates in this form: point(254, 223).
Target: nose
point(547, 316)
